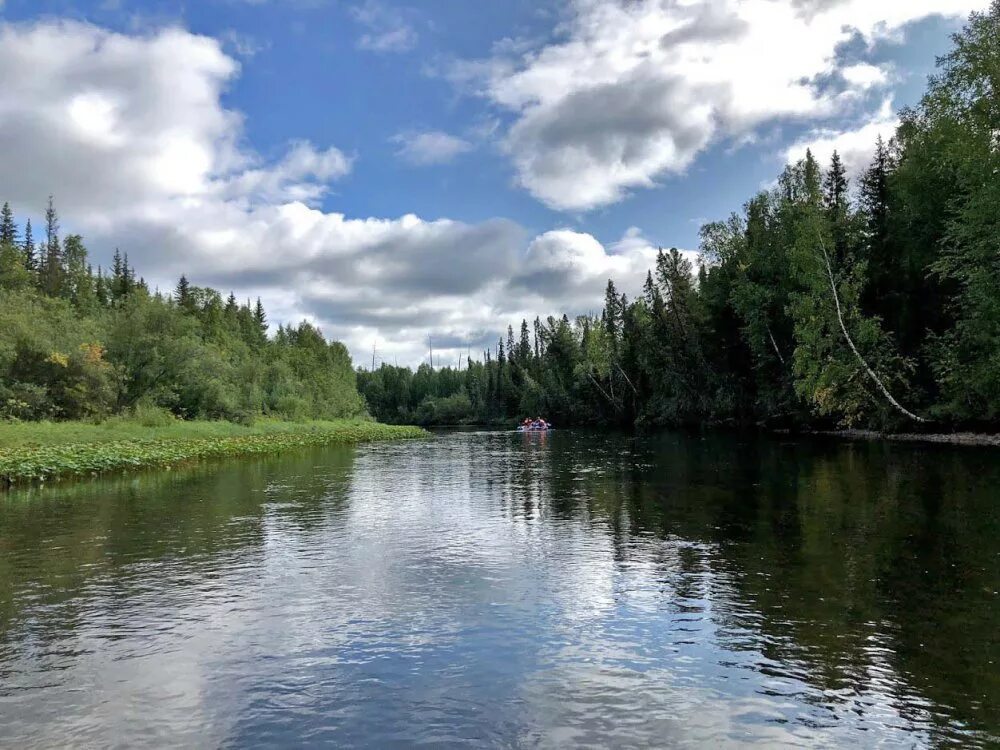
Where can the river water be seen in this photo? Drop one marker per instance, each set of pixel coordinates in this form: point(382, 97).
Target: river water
point(495, 589)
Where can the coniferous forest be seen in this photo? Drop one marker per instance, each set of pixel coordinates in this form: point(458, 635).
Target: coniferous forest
point(82, 344)
point(825, 302)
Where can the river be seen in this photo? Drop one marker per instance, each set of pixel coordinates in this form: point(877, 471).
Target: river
point(493, 589)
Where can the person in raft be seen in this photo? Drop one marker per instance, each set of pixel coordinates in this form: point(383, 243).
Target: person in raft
point(534, 424)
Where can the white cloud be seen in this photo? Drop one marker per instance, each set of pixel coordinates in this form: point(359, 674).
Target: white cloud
point(131, 135)
point(242, 45)
point(856, 146)
point(388, 30)
point(633, 91)
point(430, 147)
point(864, 76)
point(301, 175)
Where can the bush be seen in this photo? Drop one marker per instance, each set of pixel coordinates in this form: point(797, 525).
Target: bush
point(147, 414)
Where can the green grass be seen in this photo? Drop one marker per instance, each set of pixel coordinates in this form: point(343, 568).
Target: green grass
point(42, 451)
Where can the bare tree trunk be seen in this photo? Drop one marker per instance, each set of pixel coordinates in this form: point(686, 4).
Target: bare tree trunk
point(774, 343)
point(626, 379)
point(850, 342)
point(603, 392)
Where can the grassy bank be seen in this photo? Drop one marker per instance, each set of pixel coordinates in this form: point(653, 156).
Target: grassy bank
point(46, 451)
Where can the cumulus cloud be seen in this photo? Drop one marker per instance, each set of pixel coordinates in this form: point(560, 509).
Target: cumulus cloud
point(430, 147)
point(632, 91)
point(387, 28)
point(856, 146)
point(131, 134)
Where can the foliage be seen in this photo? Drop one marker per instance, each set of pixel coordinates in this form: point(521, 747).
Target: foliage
point(51, 459)
point(80, 344)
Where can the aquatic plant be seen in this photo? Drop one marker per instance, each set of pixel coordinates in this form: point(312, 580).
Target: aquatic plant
point(48, 462)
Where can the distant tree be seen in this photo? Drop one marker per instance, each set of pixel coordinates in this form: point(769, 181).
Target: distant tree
point(52, 271)
point(8, 229)
point(78, 284)
point(612, 313)
point(835, 200)
point(13, 273)
point(101, 291)
point(122, 278)
point(28, 248)
point(835, 186)
point(182, 294)
point(524, 346)
point(260, 321)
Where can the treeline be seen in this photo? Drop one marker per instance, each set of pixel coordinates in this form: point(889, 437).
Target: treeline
point(822, 303)
point(80, 344)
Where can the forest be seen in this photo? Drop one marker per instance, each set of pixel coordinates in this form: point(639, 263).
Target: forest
point(80, 344)
point(826, 302)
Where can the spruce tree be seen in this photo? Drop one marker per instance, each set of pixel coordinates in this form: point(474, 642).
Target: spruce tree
point(101, 289)
point(28, 248)
point(259, 316)
point(524, 347)
point(260, 322)
point(8, 229)
point(835, 186)
point(182, 293)
point(883, 262)
point(612, 312)
point(835, 200)
point(52, 265)
point(812, 179)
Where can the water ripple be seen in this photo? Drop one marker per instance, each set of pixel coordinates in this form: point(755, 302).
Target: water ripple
point(484, 589)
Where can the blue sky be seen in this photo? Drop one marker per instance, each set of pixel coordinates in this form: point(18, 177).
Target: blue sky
point(573, 137)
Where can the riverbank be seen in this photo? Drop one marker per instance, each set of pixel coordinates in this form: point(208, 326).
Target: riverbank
point(40, 452)
point(971, 439)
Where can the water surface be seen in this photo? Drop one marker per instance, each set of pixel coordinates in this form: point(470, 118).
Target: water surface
point(495, 589)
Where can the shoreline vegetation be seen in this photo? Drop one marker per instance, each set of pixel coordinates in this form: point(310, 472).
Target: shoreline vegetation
point(44, 452)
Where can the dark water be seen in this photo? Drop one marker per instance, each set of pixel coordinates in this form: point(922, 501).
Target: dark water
point(512, 591)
